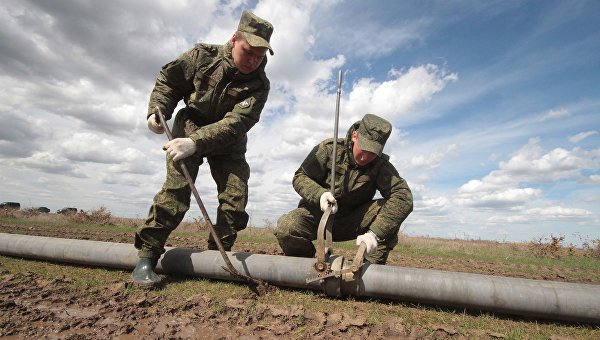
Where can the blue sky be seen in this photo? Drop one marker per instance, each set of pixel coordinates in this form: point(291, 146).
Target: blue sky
point(495, 105)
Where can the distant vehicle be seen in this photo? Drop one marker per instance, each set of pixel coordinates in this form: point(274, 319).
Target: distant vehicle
point(42, 209)
point(67, 211)
point(10, 205)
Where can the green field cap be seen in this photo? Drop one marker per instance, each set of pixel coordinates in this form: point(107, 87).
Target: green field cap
point(258, 31)
point(373, 132)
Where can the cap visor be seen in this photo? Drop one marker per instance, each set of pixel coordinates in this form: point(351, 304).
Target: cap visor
point(256, 41)
point(369, 145)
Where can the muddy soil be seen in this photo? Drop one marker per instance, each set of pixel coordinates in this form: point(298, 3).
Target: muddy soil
point(33, 306)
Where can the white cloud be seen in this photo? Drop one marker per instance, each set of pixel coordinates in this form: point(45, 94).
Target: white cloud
point(23, 134)
point(512, 197)
point(430, 161)
point(508, 219)
point(433, 204)
point(581, 136)
point(132, 161)
point(530, 163)
point(88, 147)
point(551, 213)
point(555, 114)
point(50, 163)
point(558, 212)
point(395, 98)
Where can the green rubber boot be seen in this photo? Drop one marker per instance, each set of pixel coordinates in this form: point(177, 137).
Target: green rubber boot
point(143, 273)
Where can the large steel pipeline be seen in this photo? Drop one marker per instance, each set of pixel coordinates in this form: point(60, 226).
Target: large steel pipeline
point(534, 298)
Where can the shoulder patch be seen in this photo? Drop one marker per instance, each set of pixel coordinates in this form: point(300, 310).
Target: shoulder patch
point(244, 104)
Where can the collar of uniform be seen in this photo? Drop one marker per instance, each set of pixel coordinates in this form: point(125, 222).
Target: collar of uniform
point(350, 146)
point(351, 160)
point(229, 69)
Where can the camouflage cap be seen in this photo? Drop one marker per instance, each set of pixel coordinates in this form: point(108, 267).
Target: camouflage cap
point(258, 31)
point(373, 132)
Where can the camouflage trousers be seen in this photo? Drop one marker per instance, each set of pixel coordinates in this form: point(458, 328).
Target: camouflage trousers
point(297, 229)
point(230, 173)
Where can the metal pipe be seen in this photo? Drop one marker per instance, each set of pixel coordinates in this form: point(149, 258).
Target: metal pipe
point(536, 298)
point(545, 299)
point(278, 270)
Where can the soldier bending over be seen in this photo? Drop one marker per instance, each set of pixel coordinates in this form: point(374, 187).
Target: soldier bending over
point(225, 89)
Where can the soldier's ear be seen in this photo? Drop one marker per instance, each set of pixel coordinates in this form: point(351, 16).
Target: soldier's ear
point(354, 136)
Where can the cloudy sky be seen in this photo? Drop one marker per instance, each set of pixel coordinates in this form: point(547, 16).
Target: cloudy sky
point(495, 105)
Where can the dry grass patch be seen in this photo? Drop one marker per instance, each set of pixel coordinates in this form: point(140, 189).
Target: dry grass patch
point(554, 247)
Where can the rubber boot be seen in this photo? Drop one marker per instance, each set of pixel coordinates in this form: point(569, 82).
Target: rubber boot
point(143, 273)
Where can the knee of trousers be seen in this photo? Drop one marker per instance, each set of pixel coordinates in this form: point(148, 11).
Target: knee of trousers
point(283, 229)
point(232, 208)
point(292, 239)
point(167, 215)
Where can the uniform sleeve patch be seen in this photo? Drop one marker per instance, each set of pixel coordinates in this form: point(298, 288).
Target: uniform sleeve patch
point(244, 104)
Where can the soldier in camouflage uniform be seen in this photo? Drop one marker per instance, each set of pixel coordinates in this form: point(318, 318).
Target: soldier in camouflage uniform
point(225, 89)
point(361, 170)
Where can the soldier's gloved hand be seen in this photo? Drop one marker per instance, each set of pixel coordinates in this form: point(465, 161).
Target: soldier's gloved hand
point(155, 126)
point(326, 200)
point(180, 148)
point(370, 240)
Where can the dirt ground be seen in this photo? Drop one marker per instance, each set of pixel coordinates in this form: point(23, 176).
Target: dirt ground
point(34, 306)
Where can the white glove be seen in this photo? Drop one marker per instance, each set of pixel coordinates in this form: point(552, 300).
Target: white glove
point(180, 148)
point(370, 240)
point(155, 126)
point(326, 200)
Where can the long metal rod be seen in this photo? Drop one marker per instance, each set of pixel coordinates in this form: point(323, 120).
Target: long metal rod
point(258, 285)
point(536, 298)
point(335, 132)
point(329, 220)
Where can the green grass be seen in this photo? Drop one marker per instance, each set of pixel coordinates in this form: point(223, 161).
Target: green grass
point(69, 224)
point(257, 235)
point(80, 275)
point(492, 252)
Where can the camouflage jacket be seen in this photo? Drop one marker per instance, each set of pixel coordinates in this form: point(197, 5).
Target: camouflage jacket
point(354, 185)
point(224, 102)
